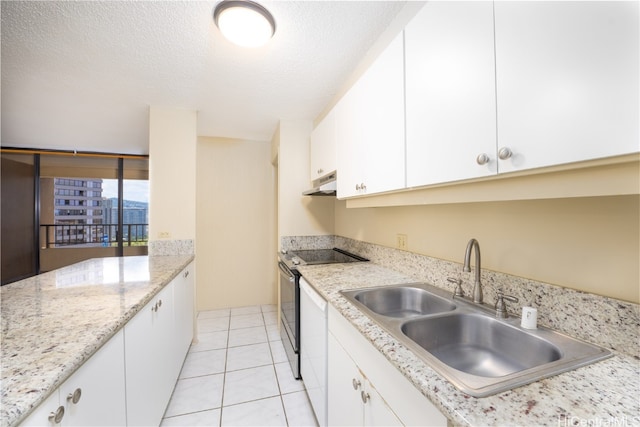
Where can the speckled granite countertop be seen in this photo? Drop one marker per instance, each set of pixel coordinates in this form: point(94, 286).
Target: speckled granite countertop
point(53, 322)
point(604, 393)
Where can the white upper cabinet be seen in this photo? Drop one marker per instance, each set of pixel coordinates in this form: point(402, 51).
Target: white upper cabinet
point(370, 128)
point(450, 91)
point(567, 81)
point(486, 88)
point(322, 148)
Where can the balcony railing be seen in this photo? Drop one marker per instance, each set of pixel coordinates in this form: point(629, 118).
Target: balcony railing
point(65, 235)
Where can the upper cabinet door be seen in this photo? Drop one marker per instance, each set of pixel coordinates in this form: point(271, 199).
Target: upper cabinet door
point(323, 147)
point(382, 113)
point(567, 81)
point(450, 91)
point(349, 143)
point(370, 128)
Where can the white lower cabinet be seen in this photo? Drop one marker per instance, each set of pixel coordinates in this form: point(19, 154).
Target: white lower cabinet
point(353, 401)
point(45, 413)
point(156, 342)
point(129, 380)
point(184, 309)
point(149, 357)
point(364, 388)
point(96, 388)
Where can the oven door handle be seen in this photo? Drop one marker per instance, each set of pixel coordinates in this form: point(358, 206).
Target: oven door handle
point(283, 269)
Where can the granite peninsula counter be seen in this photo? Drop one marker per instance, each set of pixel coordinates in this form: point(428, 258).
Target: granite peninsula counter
point(52, 323)
point(603, 393)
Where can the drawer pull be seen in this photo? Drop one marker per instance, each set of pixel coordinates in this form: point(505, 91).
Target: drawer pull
point(57, 416)
point(482, 159)
point(75, 396)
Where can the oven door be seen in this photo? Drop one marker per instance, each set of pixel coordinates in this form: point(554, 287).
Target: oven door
point(290, 315)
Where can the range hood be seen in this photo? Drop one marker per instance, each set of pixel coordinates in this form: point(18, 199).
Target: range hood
point(325, 186)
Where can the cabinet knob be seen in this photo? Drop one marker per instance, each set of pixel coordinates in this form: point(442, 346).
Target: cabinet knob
point(355, 383)
point(364, 396)
point(186, 274)
point(56, 417)
point(320, 171)
point(157, 306)
point(75, 396)
point(505, 153)
point(482, 159)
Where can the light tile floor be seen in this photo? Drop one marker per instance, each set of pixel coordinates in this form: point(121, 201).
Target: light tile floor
point(238, 375)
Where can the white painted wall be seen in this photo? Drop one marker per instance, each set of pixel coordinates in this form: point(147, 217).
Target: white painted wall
point(172, 173)
point(298, 215)
point(591, 244)
point(235, 224)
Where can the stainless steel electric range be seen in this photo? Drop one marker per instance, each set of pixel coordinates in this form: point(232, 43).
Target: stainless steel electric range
point(288, 261)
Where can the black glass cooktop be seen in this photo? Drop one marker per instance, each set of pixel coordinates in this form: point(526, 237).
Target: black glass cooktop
point(323, 256)
point(326, 256)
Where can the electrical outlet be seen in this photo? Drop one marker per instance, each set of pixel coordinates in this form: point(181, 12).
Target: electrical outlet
point(164, 235)
point(401, 241)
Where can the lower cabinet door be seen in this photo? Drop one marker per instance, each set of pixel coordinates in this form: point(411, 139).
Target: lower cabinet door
point(376, 410)
point(345, 382)
point(147, 340)
point(353, 401)
point(92, 396)
point(44, 414)
point(183, 302)
point(97, 389)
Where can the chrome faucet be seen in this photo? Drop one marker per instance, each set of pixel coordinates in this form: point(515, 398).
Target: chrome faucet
point(477, 286)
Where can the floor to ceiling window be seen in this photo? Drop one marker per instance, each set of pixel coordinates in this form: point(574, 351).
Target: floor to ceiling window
point(75, 207)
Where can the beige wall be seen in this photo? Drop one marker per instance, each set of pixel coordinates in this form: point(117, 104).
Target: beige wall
point(591, 244)
point(298, 215)
point(235, 224)
point(172, 173)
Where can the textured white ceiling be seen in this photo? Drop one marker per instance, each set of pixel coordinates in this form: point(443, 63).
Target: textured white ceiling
point(82, 75)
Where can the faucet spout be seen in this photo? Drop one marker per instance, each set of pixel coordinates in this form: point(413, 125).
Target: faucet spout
point(477, 286)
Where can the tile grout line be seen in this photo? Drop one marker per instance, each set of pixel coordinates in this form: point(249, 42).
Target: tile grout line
point(224, 374)
point(275, 371)
point(268, 342)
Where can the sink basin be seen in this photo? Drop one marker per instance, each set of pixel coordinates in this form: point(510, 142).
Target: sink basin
point(465, 343)
point(480, 345)
point(402, 301)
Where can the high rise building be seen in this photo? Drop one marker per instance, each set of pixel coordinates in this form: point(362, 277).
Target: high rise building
point(134, 217)
point(77, 211)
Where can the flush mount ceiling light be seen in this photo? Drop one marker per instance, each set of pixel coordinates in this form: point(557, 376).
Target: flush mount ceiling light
point(244, 22)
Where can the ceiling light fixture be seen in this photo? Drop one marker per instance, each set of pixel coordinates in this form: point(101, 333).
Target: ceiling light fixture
point(244, 22)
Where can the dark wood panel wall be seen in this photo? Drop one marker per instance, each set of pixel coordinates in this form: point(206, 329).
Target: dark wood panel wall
point(18, 211)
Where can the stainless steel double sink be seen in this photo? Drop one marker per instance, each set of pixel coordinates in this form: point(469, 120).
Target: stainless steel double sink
point(464, 342)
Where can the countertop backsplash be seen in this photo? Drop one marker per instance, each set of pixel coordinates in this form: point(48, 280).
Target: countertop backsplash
point(171, 247)
point(291, 243)
point(604, 321)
